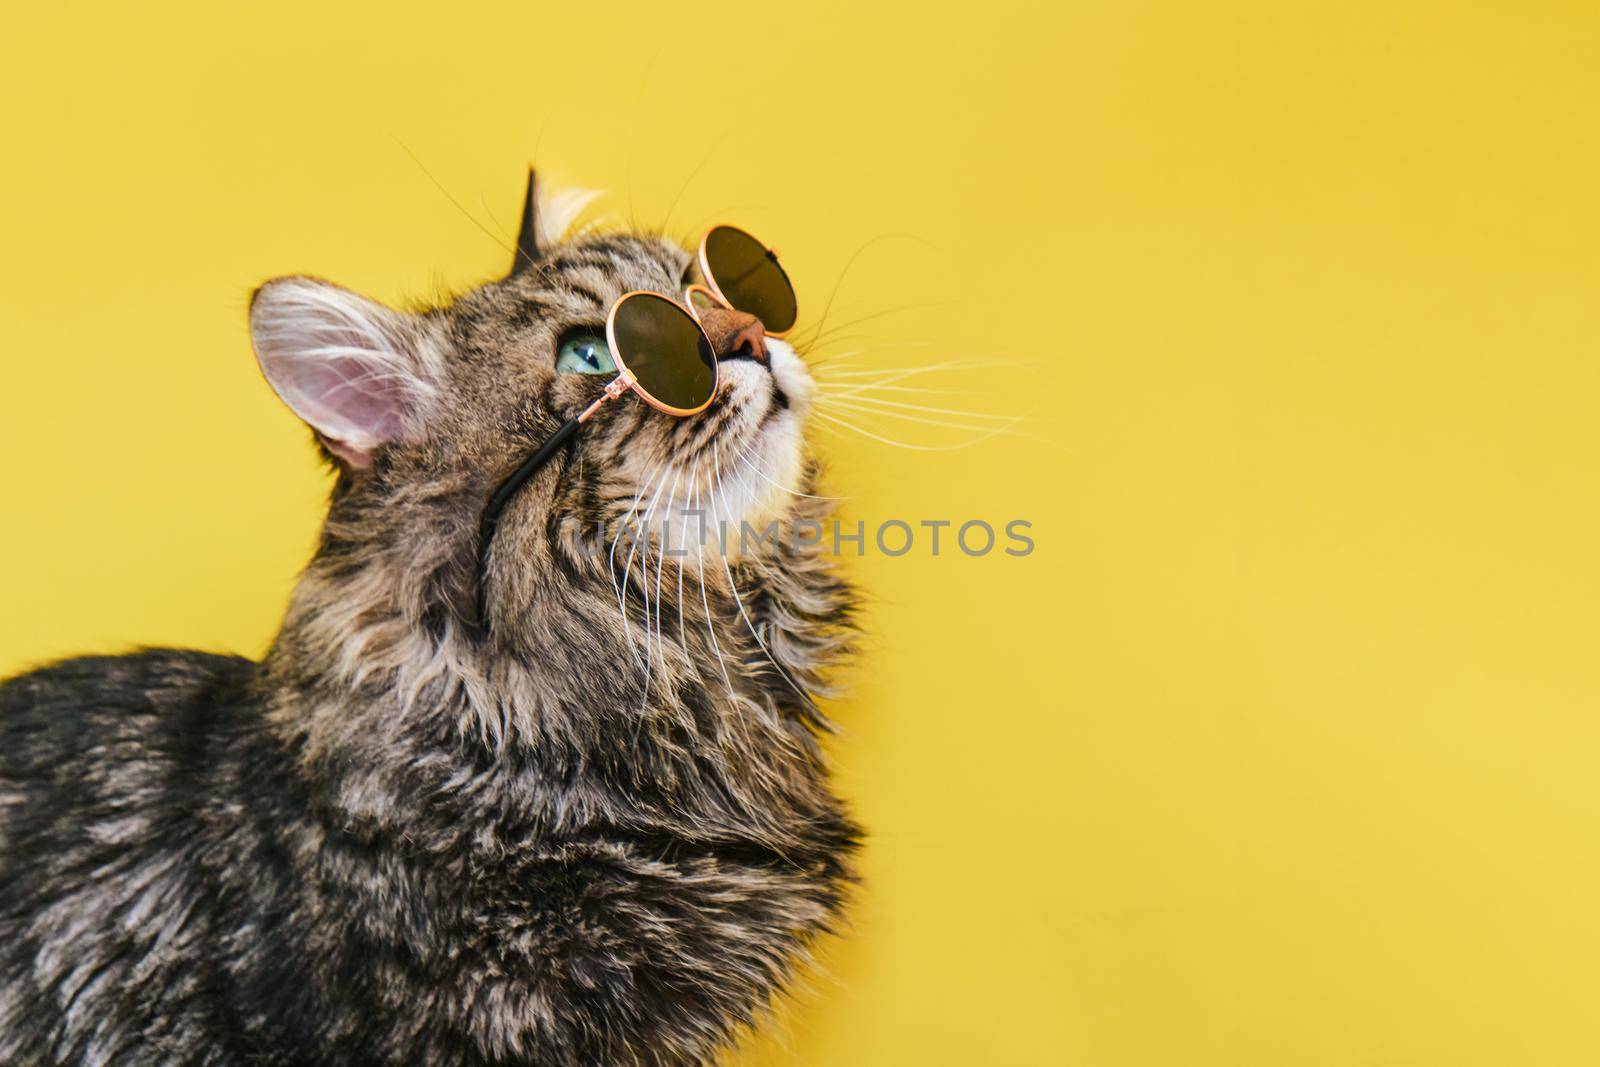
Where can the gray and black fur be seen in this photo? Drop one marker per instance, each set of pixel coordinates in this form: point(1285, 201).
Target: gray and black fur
point(597, 830)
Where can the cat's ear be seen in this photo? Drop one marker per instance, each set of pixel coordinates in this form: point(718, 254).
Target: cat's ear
point(354, 370)
point(531, 238)
point(546, 223)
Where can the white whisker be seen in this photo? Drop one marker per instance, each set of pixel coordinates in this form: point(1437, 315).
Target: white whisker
point(899, 405)
point(683, 634)
point(884, 386)
point(844, 272)
point(611, 561)
point(814, 337)
point(925, 368)
point(661, 562)
point(903, 444)
point(747, 456)
point(627, 572)
point(862, 409)
point(700, 559)
point(818, 355)
point(644, 590)
point(733, 587)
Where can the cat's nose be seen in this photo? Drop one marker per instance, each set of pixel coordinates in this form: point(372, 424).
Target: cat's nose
point(734, 334)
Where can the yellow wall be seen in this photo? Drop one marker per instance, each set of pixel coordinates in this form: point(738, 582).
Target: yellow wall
point(1281, 748)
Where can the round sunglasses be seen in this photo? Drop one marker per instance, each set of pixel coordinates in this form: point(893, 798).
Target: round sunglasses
point(662, 354)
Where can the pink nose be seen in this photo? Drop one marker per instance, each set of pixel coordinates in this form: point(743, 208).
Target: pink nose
point(734, 334)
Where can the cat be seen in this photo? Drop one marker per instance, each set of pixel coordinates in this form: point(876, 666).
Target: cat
point(594, 827)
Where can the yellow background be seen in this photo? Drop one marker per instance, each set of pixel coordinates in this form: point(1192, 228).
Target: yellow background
point(1282, 747)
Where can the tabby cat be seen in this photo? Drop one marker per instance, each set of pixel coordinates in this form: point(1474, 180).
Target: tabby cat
point(593, 827)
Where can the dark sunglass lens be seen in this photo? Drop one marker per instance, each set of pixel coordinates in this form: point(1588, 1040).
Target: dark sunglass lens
point(665, 350)
point(749, 276)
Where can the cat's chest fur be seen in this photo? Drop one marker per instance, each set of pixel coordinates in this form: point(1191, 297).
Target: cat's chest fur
point(647, 878)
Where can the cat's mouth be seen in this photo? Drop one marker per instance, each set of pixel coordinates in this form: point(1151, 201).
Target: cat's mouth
point(752, 437)
point(781, 375)
point(780, 399)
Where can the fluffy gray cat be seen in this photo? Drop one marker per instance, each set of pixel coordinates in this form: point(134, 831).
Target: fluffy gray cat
point(593, 827)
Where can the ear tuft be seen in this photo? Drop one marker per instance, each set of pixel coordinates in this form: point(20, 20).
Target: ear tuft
point(354, 370)
point(531, 242)
point(546, 219)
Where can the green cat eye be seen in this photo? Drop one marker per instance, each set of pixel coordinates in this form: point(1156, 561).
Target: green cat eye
point(585, 353)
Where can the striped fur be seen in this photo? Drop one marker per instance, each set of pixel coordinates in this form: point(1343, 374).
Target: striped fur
point(601, 834)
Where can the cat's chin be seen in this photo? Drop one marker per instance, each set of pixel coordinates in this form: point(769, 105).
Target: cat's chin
point(762, 465)
point(762, 391)
point(749, 477)
point(790, 374)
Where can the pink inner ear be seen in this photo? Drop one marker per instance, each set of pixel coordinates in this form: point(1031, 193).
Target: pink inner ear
point(352, 404)
point(343, 364)
point(361, 397)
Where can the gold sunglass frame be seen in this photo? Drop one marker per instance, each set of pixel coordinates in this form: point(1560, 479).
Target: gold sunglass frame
point(712, 289)
point(626, 379)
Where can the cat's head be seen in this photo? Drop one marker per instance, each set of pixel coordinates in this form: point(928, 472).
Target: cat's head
point(424, 413)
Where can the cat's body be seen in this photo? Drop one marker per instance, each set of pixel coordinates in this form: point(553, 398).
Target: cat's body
point(597, 830)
